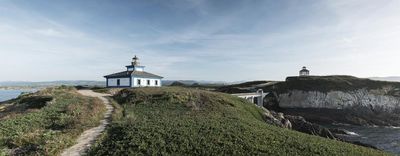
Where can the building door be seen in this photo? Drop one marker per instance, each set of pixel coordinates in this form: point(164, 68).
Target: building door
point(118, 82)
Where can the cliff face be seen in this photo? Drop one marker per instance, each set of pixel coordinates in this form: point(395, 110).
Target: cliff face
point(376, 100)
point(330, 99)
point(341, 99)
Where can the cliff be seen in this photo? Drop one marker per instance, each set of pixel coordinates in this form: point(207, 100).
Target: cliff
point(331, 99)
point(341, 99)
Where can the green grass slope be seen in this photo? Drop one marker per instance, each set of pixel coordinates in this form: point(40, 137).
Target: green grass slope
point(332, 83)
point(179, 121)
point(31, 125)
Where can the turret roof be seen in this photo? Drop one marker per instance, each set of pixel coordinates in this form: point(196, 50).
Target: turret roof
point(133, 73)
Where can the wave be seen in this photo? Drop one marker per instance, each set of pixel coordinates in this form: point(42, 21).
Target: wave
point(351, 133)
point(393, 127)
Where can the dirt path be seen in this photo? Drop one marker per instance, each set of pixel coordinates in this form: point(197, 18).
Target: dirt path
point(88, 137)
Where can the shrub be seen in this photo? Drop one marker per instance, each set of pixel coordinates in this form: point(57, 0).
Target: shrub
point(179, 121)
point(54, 126)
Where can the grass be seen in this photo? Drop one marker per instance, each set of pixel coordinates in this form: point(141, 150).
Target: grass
point(181, 121)
point(48, 128)
point(333, 83)
point(317, 83)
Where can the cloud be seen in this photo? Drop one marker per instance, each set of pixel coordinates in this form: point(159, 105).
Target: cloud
point(206, 40)
point(50, 32)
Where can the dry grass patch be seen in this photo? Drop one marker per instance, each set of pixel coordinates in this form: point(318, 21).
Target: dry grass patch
point(48, 128)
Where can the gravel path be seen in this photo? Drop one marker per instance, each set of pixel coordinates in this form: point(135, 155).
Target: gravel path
point(89, 136)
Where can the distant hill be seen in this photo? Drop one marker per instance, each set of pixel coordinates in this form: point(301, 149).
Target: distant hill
point(310, 83)
point(51, 83)
point(331, 83)
point(389, 78)
point(191, 82)
point(245, 87)
point(94, 83)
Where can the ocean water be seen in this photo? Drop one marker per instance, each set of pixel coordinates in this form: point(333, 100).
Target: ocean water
point(385, 138)
point(10, 94)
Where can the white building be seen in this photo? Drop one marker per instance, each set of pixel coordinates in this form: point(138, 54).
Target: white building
point(304, 72)
point(134, 76)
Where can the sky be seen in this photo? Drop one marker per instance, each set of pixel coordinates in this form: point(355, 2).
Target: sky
point(216, 40)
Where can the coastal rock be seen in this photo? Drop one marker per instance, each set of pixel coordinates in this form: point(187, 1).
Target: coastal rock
point(300, 124)
point(273, 118)
point(359, 107)
point(296, 123)
point(340, 100)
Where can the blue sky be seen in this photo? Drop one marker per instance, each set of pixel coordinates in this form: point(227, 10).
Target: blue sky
point(222, 40)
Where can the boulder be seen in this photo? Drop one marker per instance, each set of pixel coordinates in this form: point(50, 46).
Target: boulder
point(298, 123)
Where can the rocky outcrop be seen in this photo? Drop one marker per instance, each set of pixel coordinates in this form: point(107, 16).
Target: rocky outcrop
point(299, 124)
point(277, 119)
point(359, 107)
point(296, 123)
point(374, 99)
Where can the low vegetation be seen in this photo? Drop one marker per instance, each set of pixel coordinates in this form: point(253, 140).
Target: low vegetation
point(46, 122)
point(315, 83)
point(332, 83)
point(179, 121)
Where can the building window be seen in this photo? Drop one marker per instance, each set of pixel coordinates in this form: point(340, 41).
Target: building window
point(138, 81)
point(156, 82)
point(118, 82)
point(148, 82)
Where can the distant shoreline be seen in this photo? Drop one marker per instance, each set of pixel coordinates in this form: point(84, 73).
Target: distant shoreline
point(22, 87)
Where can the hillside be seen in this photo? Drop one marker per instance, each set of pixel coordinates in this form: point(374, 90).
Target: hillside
point(332, 83)
point(46, 122)
point(179, 121)
point(44, 84)
point(312, 83)
point(389, 78)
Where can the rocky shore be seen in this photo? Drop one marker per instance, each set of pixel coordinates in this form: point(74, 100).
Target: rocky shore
point(298, 123)
point(361, 107)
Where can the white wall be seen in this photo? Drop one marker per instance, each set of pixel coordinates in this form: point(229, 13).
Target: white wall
point(144, 82)
point(140, 68)
point(112, 82)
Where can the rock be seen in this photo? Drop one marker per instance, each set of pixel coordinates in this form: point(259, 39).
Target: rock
point(298, 123)
point(280, 116)
point(270, 119)
point(359, 107)
point(287, 124)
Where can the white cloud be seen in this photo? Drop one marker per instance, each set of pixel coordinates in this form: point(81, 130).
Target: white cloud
point(50, 32)
point(361, 36)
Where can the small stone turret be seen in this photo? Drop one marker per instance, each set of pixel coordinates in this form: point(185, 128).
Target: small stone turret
point(304, 72)
point(135, 61)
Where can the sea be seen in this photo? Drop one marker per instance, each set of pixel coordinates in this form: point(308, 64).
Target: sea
point(384, 138)
point(10, 94)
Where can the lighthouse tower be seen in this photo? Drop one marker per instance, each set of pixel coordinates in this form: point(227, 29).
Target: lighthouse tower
point(304, 72)
point(135, 65)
